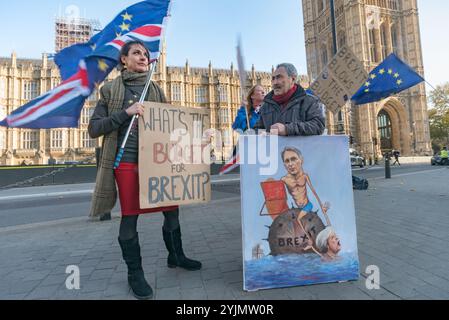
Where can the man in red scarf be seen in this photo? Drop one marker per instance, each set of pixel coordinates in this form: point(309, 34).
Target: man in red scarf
point(288, 110)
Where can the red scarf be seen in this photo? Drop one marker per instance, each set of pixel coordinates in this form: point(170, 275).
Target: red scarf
point(283, 99)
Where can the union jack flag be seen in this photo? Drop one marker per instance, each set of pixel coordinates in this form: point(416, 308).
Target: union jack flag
point(233, 163)
point(85, 66)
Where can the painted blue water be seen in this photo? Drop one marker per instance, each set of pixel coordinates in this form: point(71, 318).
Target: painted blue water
point(298, 270)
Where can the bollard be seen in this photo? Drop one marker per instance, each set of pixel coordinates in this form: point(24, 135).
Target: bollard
point(387, 166)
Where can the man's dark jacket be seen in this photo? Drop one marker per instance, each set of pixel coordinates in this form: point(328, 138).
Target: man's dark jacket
point(303, 115)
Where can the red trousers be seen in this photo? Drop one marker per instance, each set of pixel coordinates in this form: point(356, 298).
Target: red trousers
point(127, 178)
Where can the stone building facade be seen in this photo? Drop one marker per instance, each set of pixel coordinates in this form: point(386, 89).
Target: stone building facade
point(24, 79)
point(373, 29)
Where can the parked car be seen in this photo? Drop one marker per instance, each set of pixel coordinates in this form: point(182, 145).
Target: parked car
point(356, 159)
point(71, 162)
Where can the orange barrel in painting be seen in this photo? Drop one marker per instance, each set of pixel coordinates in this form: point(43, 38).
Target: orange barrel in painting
point(275, 197)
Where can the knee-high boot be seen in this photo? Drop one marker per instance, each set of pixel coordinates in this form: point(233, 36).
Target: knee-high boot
point(136, 279)
point(176, 256)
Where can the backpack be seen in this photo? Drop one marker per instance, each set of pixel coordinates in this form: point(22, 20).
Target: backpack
point(359, 183)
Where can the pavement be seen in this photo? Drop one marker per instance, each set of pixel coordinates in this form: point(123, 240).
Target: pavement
point(76, 189)
point(402, 228)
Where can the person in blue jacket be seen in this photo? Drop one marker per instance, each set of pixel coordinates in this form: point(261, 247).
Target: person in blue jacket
point(254, 101)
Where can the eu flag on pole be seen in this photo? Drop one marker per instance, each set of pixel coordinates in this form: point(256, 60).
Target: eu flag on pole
point(146, 18)
point(390, 77)
point(84, 66)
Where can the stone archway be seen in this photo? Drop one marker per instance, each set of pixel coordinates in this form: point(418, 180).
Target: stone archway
point(385, 131)
point(400, 133)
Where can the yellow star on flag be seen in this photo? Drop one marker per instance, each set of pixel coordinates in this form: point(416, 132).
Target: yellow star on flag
point(367, 84)
point(366, 90)
point(390, 71)
point(127, 16)
point(124, 26)
point(102, 65)
point(381, 71)
point(373, 76)
point(396, 75)
point(399, 82)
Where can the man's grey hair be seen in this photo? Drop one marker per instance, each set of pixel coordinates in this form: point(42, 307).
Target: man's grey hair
point(290, 68)
point(292, 149)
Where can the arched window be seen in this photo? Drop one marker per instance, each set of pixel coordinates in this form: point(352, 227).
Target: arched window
point(200, 95)
point(324, 57)
point(30, 139)
point(87, 141)
point(340, 116)
point(176, 92)
point(340, 123)
point(394, 38)
point(341, 39)
point(57, 139)
point(393, 4)
point(385, 130)
point(372, 45)
point(384, 40)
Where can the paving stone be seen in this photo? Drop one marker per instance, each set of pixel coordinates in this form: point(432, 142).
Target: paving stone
point(43, 292)
point(168, 282)
point(101, 274)
point(24, 287)
point(117, 289)
point(433, 292)
point(94, 285)
point(168, 294)
point(193, 294)
point(410, 251)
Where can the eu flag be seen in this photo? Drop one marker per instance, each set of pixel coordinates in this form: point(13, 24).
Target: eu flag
point(84, 66)
point(388, 78)
point(121, 29)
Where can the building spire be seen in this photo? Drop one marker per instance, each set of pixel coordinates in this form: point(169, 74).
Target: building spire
point(210, 68)
point(187, 68)
point(44, 61)
point(14, 59)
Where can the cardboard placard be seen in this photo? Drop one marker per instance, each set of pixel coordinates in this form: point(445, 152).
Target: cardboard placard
point(340, 80)
point(174, 159)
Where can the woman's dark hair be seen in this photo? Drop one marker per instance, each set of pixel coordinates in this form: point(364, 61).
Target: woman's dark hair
point(127, 47)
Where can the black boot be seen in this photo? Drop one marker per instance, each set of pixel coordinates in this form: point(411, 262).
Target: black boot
point(176, 257)
point(136, 279)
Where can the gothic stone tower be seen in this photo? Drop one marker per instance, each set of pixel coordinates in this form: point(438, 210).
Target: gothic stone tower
point(373, 29)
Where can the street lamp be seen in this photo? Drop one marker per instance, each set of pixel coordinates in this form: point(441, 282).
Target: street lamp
point(414, 137)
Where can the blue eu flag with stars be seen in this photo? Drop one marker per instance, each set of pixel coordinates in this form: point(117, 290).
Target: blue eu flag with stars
point(388, 78)
point(84, 66)
point(144, 13)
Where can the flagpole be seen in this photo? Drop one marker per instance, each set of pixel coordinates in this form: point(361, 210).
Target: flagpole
point(242, 75)
point(430, 84)
point(334, 27)
point(118, 159)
